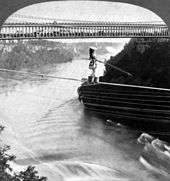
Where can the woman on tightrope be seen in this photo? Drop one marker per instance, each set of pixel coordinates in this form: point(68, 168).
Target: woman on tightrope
point(92, 64)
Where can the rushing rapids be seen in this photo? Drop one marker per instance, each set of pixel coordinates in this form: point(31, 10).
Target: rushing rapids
point(46, 126)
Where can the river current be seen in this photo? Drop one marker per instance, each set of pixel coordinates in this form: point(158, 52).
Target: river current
point(47, 126)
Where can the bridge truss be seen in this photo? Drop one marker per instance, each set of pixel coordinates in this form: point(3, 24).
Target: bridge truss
point(11, 31)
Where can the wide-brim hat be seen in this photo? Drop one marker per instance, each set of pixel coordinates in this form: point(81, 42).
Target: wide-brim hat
point(93, 48)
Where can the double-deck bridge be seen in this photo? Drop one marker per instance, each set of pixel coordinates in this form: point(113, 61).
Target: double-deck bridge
point(160, 7)
point(71, 30)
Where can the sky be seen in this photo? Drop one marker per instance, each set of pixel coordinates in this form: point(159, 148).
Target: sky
point(89, 11)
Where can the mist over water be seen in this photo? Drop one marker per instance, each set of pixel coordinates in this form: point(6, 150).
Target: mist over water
point(47, 126)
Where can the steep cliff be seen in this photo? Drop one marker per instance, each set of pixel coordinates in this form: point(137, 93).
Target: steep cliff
point(148, 60)
point(33, 54)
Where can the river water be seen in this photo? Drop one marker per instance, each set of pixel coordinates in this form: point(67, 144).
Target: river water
point(47, 126)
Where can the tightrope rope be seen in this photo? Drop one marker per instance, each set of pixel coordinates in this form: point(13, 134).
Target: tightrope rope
point(74, 79)
point(39, 75)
